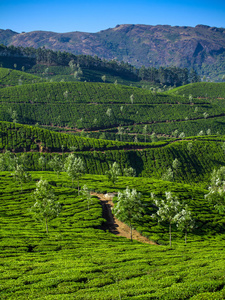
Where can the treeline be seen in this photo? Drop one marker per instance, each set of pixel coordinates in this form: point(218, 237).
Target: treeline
point(170, 76)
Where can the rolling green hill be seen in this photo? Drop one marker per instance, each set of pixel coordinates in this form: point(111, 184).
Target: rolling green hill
point(77, 259)
point(9, 77)
point(94, 106)
point(80, 258)
point(198, 156)
point(207, 90)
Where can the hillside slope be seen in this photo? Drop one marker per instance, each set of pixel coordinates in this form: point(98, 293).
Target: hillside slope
point(10, 77)
point(99, 106)
point(138, 44)
point(198, 156)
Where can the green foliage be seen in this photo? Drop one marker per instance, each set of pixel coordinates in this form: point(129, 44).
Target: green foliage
point(10, 77)
point(75, 168)
point(45, 207)
point(21, 175)
point(55, 163)
point(77, 259)
point(128, 207)
point(168, 210)
point(113, 172)
point(204, 90)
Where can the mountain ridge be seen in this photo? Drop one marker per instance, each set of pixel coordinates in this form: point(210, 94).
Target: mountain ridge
point(201, 47)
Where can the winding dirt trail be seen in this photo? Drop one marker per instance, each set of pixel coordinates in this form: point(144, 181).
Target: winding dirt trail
point(114, 225)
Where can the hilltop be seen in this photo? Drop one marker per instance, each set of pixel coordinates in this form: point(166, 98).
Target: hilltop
point(202, 47)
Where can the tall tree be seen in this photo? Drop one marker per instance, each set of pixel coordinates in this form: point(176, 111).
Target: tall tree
point(169, 210)
point(45, 207)
point(185, 222)
point(56, 164)
point(113, 172)
point(128, 207)
point(74, 166)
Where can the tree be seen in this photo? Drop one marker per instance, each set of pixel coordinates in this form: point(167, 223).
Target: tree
point(185, 222)
point(132, 99)
point(14, 116)
point(216, 195)
point(176, 164)
point(86, 194)
point(41, 162)
point(205, 115)
point(208, 131)
point(56, 164)
point(182, 135)
point(175, 133)
point(104, 78)
point(153, 137)
point(109, 112)
point(120, 132)
point(45, 207)
point(189, 147)
point(7, 161)
point(129, 172)
point(113, 172)
point(145, 131)
point(223, 147)
point(168, 175)
point(128, 207)
point(21, 175)
point(74, 166)
point(169, 210)
point(135, 139)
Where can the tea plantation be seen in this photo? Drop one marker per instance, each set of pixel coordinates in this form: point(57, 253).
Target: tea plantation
point(79, 260)
point(172, 141)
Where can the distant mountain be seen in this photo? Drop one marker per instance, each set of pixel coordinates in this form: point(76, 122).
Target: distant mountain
point(201, 47)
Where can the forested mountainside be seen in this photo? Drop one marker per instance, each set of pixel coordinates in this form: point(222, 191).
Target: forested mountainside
point(201, 47)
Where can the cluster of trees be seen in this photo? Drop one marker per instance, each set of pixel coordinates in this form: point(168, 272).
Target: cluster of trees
point(17, 165)
point(170, 76)
point(130, 208)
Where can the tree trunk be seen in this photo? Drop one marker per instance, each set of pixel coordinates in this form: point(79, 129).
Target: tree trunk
point(46, 224)
point(131, 232)
point(170, 234)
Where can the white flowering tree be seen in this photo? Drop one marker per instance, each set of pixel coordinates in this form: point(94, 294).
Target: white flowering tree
point(21, 175)
point(41, 162)
point(185, 222)
point(145, 131)
point(129, 172)
point(216, 194)
point(45, 207)
point(120, 132)
point(56, 164)
point(169, 210)
point(128, 207)
point(75, 168)
point(86, 195)
point(168, 175)
point(113, 172)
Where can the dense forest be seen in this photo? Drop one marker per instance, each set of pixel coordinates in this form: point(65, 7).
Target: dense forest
point(170, 76)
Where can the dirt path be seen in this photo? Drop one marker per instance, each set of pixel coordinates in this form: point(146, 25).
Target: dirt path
point(114, 225)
